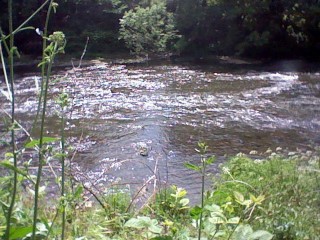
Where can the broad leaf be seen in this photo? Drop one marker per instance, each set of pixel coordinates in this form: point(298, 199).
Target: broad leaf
point(162, 238)
point(192, 167)
point(261, 235)
point(195, 212)
point(36, 142)
point(19, 232)
point(234, 220)
point(242, 232)
point(184, 201)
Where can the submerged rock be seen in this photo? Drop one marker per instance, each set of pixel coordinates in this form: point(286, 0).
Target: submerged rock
point(143, 149)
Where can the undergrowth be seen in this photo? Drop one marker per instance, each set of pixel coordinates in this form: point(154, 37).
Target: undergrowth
point(289, 185)
point(278, 194)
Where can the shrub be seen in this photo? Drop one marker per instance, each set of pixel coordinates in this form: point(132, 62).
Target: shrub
point(290, 187)
point(148, 30)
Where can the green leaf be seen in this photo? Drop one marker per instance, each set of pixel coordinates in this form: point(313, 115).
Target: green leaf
point(19, 232)
point(9, 165)
point(195, 212)
point(144, 222)
point(242, 232)
point(139, 222)
point(261, 235)
point(239, 197)
point(217, 220)
point(192, 167)
point(213, 208)
point(4, 205)
point(78, 192)
point(181, 192)
point(49, 139)
point(234, 220)
point(257, 200)
point(184, 201)
point(36, 142)
point(32, 144)
point(162, 238)
point(41, 63)
point(210, 160)
point(9, 155)
point(134, 223)
point(155, 228)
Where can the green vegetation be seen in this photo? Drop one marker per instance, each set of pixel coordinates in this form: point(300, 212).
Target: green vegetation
point(278, 194)
point(284, 192)
point(254, 28)
point(148, 30)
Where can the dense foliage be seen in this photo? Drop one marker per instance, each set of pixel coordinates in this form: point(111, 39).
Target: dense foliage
point(289, 188)
point(255, 28)
point(279, 194)
point(148, 29)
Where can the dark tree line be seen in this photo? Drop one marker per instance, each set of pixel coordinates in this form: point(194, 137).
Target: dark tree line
point(254, 28)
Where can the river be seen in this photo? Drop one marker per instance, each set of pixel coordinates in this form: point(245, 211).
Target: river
point(131, 121)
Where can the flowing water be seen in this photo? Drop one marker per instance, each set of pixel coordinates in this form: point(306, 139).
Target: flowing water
point(129, 121)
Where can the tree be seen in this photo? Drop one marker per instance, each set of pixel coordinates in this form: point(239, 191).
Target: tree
point(273, 28)
point(148, 30)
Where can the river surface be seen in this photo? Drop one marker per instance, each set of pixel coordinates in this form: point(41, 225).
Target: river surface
point(129, 122)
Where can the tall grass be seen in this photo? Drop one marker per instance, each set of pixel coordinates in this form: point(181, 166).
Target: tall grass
point(45, 73)
point(202, 169)
point(14, 153)
point(49, 52)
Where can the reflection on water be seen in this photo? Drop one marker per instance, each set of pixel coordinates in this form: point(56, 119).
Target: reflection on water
point(167, 109)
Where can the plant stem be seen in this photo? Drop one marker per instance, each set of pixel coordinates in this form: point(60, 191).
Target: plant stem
point(44, 91)
point(6, 79)
point(15, 174)
point(43, 72)
point(41, 150)
point(203, 172)
point(63, 176)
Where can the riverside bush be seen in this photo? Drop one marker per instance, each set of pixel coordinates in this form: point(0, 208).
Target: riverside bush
point(291, 189)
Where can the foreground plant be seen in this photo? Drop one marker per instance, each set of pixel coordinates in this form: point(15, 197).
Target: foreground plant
point(55, 47)
point(287, 205)
point(201, 168)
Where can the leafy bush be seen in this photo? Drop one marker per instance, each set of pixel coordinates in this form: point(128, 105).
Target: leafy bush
point(290, 188)
point(146, 30)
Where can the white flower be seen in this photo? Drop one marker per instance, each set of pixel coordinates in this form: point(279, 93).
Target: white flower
point(39, 32)
point(226, 170)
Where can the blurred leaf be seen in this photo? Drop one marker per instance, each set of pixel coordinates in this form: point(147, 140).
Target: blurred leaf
point(19, 232)
point(36, 142)
point(261, 235)
point(242, 232)
point(238, 197)
point(9, 165)
point(162, 238)
point(192, 167)
point(234, 220)
point(195, 212)
point(184, 201)
point(210, 160)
